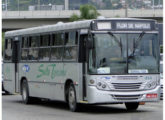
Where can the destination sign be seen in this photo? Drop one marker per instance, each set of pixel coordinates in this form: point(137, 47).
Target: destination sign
point(103, 25)
point(133, 25)
point(122, 25)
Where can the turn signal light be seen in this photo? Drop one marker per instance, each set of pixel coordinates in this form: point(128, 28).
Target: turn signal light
point(92, 81)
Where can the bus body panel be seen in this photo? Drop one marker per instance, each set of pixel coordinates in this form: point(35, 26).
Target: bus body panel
point(9, 77)
point(47, 80)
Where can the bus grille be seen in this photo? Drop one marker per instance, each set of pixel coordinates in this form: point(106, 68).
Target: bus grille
point(126, 97)
point(126, 86)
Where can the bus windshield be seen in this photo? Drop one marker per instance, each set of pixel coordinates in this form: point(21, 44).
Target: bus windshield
point(124, 53)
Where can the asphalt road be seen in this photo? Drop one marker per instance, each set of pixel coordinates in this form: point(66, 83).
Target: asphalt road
point(14, 109)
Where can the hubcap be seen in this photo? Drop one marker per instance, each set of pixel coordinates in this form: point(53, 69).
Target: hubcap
point(71, 97)
point(24, 92)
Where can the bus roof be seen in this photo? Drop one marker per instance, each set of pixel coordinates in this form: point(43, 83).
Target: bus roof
point(50, 28)
point(63, 26)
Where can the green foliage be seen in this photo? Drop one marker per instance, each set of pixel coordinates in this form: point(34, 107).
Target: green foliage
point(74, 17)
point(117, 16)
point(86, 12)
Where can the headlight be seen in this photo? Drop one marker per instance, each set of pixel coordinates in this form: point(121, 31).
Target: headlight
point(152, 84)
point(102, 85)
point(99, 84)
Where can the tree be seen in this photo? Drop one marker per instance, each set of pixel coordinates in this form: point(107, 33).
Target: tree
point(74, 17)
point(86, 12)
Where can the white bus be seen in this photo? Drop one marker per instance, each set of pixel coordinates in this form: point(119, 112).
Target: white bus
point(85, 62)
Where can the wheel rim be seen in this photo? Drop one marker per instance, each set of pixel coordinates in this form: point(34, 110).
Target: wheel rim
point(71, 97)
point(24, 93)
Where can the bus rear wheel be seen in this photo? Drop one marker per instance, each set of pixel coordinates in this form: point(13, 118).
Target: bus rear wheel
point(132, 106)
point(72, 101)
point(25, 92)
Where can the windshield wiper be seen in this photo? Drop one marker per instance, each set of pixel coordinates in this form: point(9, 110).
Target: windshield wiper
point(116, 39)
point(136, 44)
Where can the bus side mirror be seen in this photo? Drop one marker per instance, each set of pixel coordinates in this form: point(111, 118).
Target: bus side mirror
point(90, 43)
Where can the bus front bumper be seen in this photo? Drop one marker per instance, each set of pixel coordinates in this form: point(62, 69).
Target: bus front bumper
point(95, 96)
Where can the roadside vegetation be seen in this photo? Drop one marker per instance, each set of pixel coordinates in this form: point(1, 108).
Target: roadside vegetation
point(86, 12)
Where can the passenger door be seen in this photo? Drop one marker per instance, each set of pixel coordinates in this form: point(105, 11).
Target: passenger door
point(15, 60)
point(82, 59)
point(9, 66)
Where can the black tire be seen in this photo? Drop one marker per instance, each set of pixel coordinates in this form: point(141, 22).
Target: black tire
point(132, 106)
point(7, 93)
point(72, 101)
point(25, 93)
point(3, 89)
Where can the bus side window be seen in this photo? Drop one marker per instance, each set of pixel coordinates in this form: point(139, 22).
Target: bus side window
point(33, 41)
point(24, 42)
point(58, 39)
point(70, 53)
point(71, 38)
point(24, 46)
point(56, 54)
point(66, 41)
point(33, 47)
point(24, 54)
point(45, 40)
point(33, 54)
point(8, 49)
point(70, 50)
point(57, 47)
point(44, 51)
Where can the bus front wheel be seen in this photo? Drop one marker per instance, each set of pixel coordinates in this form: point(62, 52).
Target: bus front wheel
point(132, 106)
point(72, 101)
